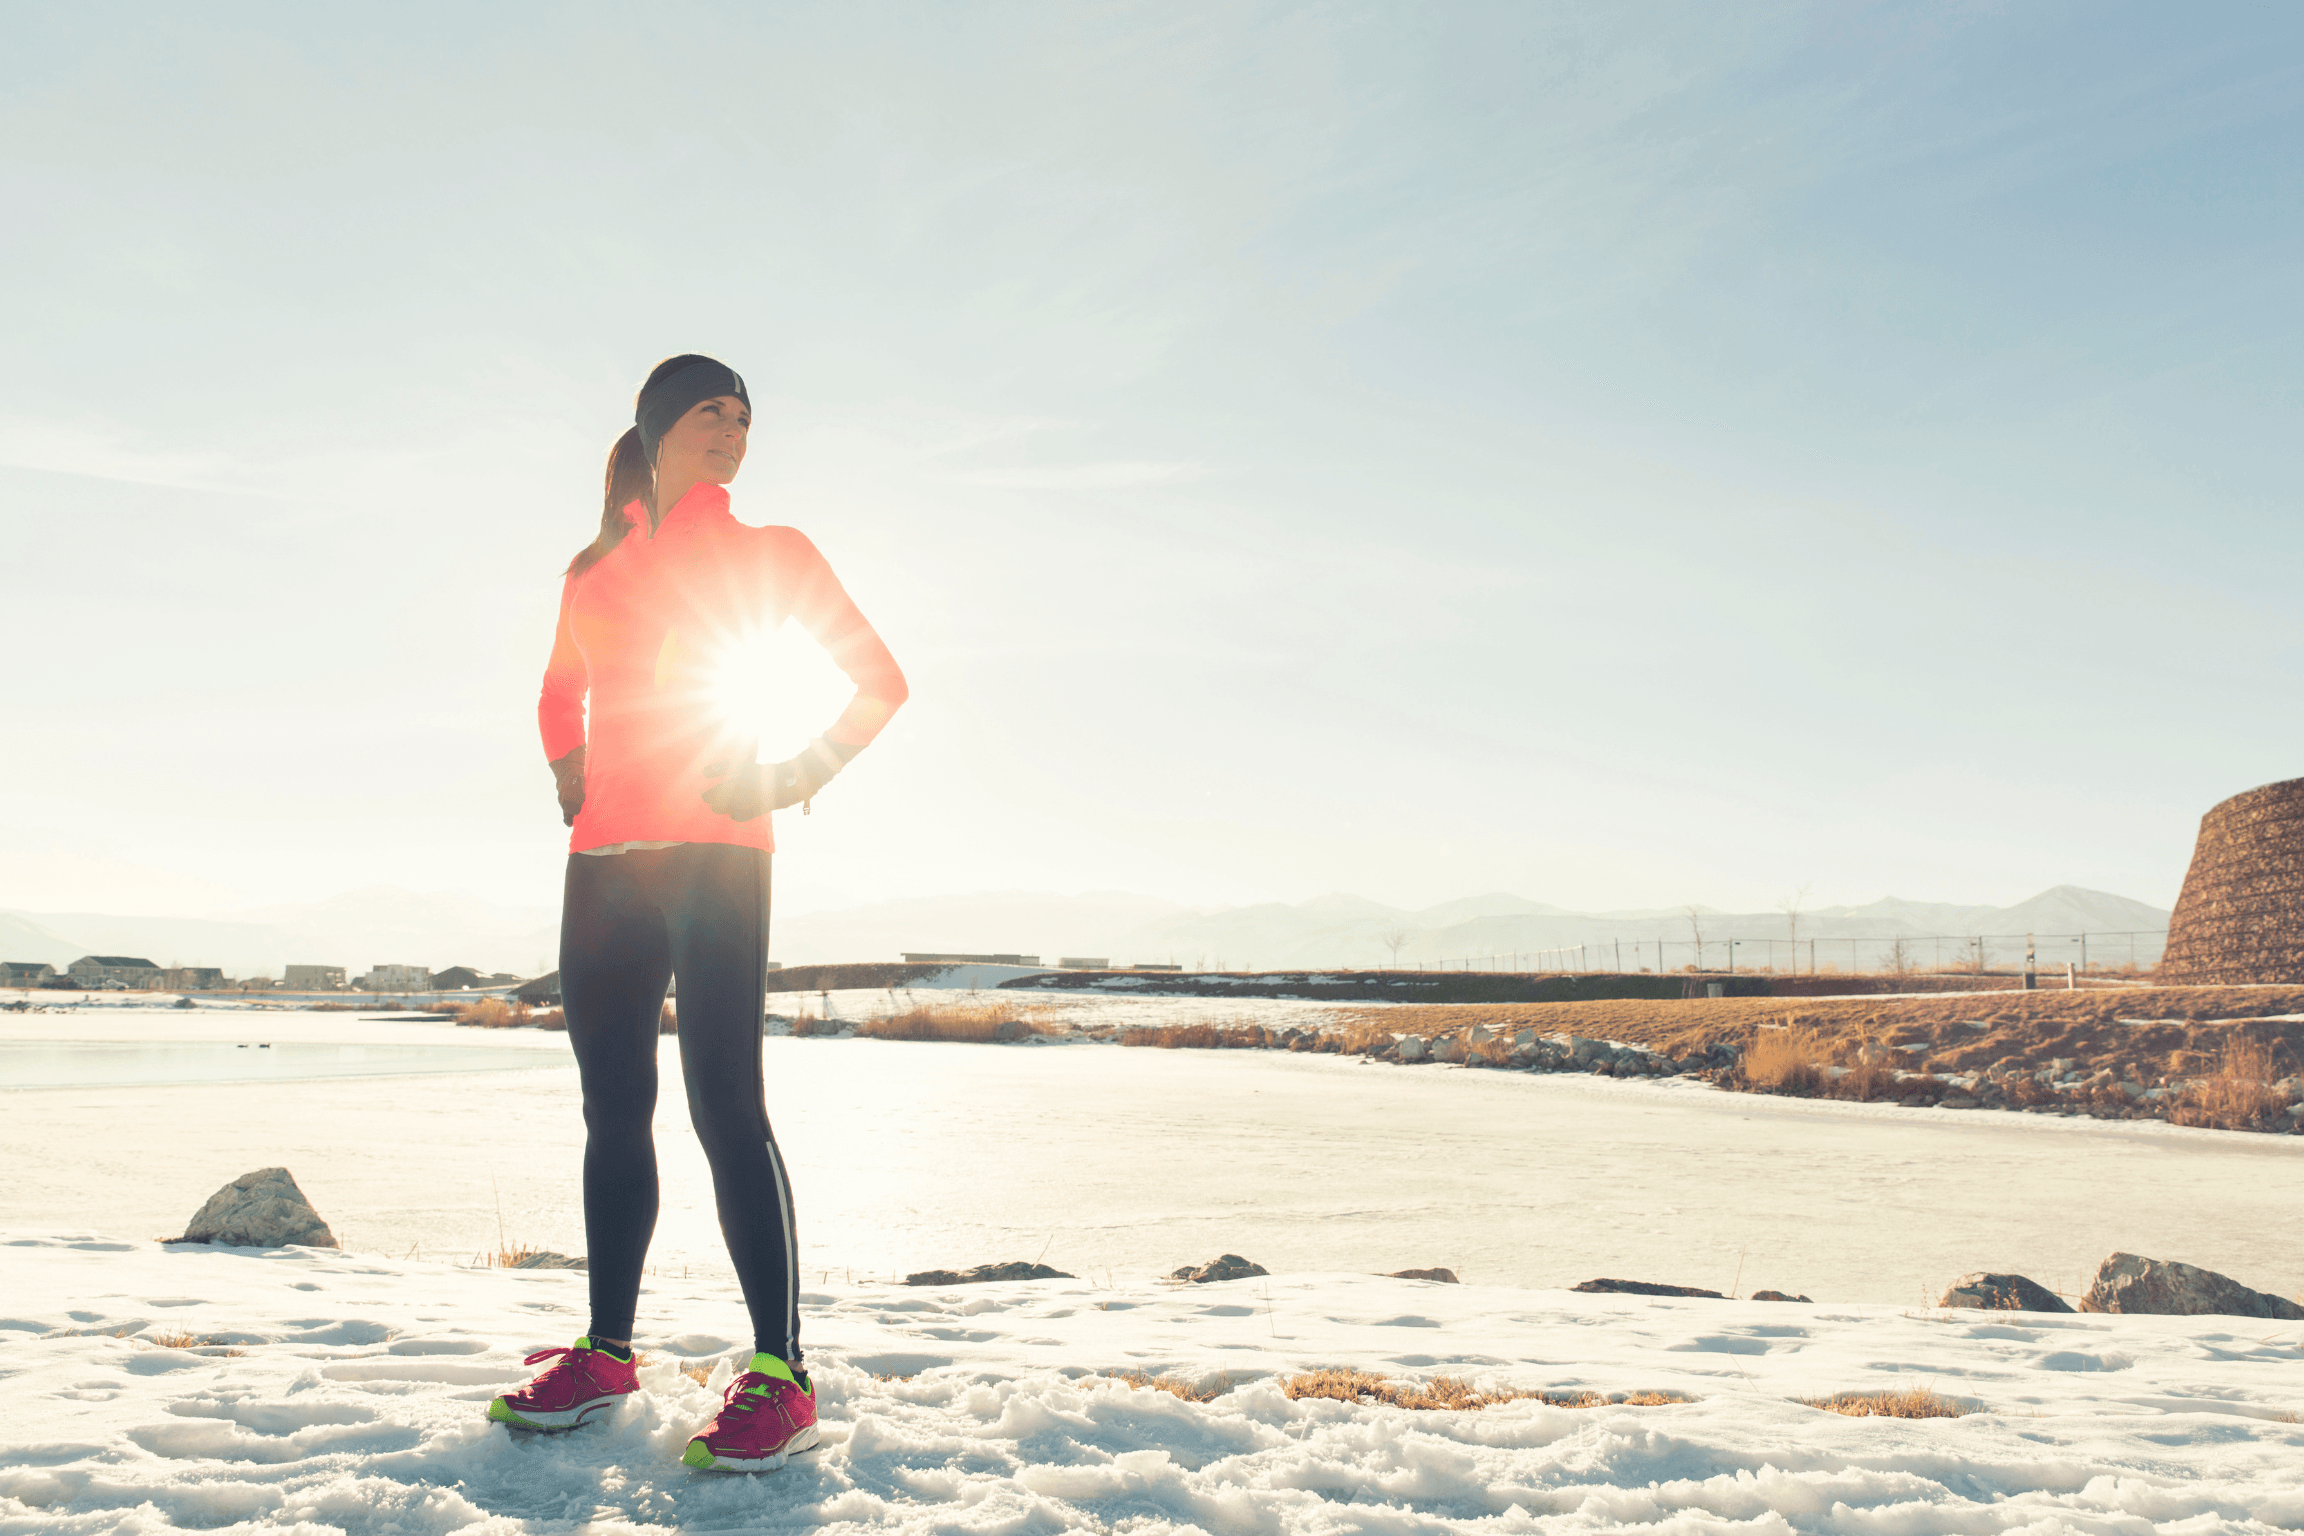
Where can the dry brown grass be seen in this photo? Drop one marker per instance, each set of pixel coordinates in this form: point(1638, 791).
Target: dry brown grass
point(493, 1013)
point(1785, 1060)
point(1896, 1403)
point(1203, 1037)
point(185, 1338)
point(1175, 1386)
point(698, 1371)
point(979, 1022)
point(1450, 1393)
point(2239, 1093)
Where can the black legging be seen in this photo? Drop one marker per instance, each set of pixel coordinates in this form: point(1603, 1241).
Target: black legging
point(631, 922)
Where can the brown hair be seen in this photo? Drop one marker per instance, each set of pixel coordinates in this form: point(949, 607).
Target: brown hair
point(631, 477)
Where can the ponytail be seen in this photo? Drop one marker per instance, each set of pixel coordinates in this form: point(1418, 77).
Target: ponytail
point(630, 478)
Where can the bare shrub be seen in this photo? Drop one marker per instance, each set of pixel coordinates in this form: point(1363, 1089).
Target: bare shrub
point(2239, 1093)
point(667, 1020)
point(1896, 1403)
point(975, 1023)
point(1787, 1060)
point(492, 1013)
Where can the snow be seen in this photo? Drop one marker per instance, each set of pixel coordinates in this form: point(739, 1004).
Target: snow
point(355, 1403)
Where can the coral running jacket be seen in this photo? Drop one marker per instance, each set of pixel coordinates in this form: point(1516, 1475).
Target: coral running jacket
point(651, 631)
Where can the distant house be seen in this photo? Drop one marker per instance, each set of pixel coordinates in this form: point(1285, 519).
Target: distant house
point(313, 978)
point(192, 978)
point(457, 978)
point(128, 970)
point(945, 959)
point(396, 978)
point(24, 973)
point(544, 989)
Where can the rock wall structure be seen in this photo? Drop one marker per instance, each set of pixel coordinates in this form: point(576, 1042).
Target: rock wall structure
point(2241, 917)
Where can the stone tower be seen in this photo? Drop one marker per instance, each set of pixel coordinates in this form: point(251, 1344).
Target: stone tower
point(2241, 917)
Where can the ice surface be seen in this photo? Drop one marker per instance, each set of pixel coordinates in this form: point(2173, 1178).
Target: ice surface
point(1104, 1160)
point(1004, 1417)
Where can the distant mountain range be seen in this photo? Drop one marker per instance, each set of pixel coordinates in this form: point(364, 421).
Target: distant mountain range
point(1343, 930)
point(386, 925)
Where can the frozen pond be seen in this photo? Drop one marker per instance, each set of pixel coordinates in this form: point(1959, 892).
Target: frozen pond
point(1104, 1160)
point(136, 1063)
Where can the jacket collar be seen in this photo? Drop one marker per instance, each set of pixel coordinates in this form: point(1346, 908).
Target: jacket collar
point(704, 499)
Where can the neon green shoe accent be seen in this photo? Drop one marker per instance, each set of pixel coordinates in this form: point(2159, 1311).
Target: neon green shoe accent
point(698, 1454)
point(502, 1412)
point(765, 1364)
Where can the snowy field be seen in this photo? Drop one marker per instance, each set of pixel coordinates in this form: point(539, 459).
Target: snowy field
point(345, 1393)
point(354, 1401)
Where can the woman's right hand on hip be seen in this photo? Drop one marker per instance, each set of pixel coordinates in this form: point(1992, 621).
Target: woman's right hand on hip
point(568, 776)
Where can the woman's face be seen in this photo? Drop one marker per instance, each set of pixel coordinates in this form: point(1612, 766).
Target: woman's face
point(706, 444)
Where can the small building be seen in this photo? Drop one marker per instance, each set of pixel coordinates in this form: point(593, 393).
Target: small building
point(192, 978)
point(396, 978)
point(544, 989)
point(913, 959)
point(25, 973)
point(313, 978)
point(458, 978)
point(131, 971)
point(1084, 963)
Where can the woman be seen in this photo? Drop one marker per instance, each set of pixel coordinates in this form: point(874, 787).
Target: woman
point(668, 877)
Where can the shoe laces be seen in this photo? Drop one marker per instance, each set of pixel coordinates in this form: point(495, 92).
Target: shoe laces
point(751, 1389)
point(567, 1362)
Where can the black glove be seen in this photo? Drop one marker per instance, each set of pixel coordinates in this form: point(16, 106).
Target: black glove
point(568, 774)
point(747, 790)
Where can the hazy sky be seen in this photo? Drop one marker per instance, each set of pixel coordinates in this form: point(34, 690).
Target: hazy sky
point(1620, 454)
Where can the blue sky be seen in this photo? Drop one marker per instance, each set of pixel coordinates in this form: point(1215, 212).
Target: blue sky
point(1624, 455)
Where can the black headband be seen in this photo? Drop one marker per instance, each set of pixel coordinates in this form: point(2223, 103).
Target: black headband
point(664, 401)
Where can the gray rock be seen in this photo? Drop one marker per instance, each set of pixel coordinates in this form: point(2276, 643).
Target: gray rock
point(1959, 1101)
point(1444, 1276)
point(1412, 1048)
point(1016, 1269)
point(263, 1209)
point(2002, 1293)
point(547, 1259)
point(1228, 1266)
point(1643, 1288)
point(2128, 1282)
point(1781, 1296)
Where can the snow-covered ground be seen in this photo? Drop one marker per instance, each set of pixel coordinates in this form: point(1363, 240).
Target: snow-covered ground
point(345, 1393)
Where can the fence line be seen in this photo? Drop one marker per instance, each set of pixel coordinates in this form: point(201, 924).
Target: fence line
point(2094, 951)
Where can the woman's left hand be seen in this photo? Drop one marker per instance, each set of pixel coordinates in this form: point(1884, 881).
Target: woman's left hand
point(748, 790)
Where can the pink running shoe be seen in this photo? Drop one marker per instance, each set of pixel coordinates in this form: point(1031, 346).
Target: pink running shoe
point(768, 1416)
point(579, 1384)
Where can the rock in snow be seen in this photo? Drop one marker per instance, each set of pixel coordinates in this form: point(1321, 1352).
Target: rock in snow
point(1444, 1276)
point(547, 1259)
point(2002, 1293)
point(1016, 1269)
point(1229, 1266)
point(1643, 1288)
point(263, 1209)
point(1781, 1296)
point(2128, 1282)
